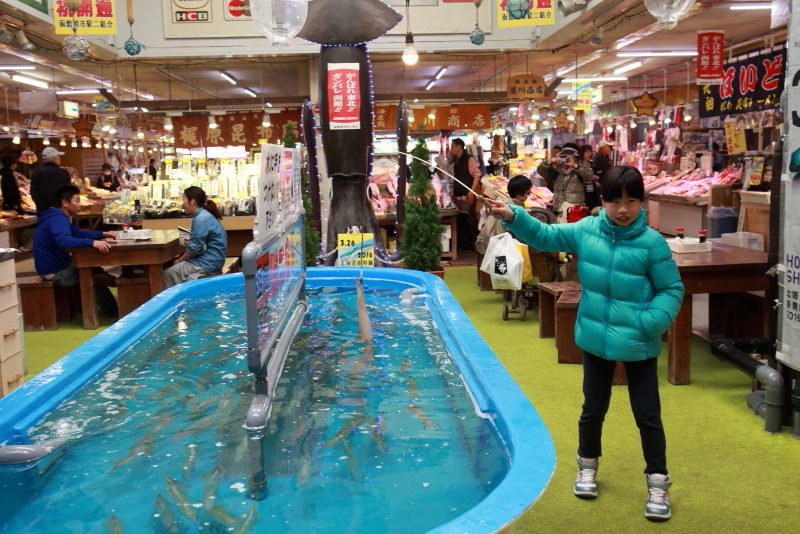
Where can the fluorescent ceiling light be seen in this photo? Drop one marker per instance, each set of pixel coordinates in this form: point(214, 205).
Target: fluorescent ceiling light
point(228, 77)
point(629, 67)
point(269, 105)
point(601, 79)
point(430, 84)
point(676, 53)
point(441, 72)
point(17, 67)
point(79, 92)
point(565, 92)
point(29, 81)
point(748, 7)
point(250, 92)
point(145, 110)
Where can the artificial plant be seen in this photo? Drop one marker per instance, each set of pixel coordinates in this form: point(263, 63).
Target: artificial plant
point(421, 241)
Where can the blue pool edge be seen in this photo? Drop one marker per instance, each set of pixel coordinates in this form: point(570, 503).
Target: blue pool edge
point(494, 392)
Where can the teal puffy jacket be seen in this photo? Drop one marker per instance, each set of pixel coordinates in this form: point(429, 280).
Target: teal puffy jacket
point(631, 289)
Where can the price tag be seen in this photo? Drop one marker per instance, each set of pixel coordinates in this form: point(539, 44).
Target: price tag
point(356, 250)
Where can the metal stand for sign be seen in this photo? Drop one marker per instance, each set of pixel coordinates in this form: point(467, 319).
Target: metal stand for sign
point(274, 268)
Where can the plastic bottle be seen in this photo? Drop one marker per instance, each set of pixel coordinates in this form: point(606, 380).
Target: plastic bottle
point(680, 230)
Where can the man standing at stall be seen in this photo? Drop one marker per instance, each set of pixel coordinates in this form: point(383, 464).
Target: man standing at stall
point(46, 181)
point(465, 168)
point(602, 159)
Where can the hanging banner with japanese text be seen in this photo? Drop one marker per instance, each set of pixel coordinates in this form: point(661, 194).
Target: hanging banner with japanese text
point(752, 84)
point(582, 93)
point(455, 117)
point(233, 129)
point(710, 56)
point(93, 17)
point(516, 13)
point(344, 96)
point(528, 87)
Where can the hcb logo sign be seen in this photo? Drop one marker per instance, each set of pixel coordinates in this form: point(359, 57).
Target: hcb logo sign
point(191, 16)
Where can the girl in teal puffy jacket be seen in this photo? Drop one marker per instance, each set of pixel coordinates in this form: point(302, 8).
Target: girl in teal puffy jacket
point(631, 293)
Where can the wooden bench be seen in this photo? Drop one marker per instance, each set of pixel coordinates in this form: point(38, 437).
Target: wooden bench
point(568, 351)
point(548, 296)
point(132, 292)
point(43, 303)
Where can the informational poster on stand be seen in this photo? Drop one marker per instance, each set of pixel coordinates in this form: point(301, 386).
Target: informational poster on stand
point(344, 96)
point(93, 17)
point(515, 13)
point(356, 250)
point(278, 194)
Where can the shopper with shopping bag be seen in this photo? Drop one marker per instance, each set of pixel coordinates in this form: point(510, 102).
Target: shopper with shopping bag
point(631, 294)
point(503, 262)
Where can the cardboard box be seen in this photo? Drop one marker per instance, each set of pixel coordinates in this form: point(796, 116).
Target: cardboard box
point(723, 196)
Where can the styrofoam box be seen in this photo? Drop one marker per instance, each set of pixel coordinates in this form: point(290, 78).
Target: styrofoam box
point(688, 245)
point(744, 240)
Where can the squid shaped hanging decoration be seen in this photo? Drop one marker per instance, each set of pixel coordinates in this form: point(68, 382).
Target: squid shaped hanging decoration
point(477, 36)
point(343, 28)
point(132, 46)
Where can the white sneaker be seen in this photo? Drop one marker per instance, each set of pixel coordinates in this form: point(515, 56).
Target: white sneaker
point(586, 481)
point(658, 507)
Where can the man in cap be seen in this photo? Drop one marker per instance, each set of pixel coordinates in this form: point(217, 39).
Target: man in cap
point(602, 159)
point(48, 179)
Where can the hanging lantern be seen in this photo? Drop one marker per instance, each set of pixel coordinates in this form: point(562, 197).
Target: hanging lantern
point(668, 12)
point(477, 36)
point(75, 47)
point(280, 20)
point(518, 9)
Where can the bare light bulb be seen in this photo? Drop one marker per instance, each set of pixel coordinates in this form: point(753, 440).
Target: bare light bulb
point(410, 56)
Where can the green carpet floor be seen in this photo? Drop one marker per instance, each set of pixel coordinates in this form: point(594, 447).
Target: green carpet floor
point(729, 475)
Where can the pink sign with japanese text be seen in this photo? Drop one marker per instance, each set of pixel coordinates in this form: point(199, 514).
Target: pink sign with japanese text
point(344, 96)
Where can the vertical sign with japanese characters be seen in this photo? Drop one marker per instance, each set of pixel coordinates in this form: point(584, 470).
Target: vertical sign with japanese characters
point(582, 93)
point(516, 13)
point(710, 57)
point(276, 167)
point(93, 17)
point(344, 96)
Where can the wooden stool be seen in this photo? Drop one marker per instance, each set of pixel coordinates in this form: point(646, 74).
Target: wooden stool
point(132, 293)
point(566, 313)
point(548, 296)
point(38, 303)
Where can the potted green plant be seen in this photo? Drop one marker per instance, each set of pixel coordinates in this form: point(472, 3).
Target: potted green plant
point(421, 242)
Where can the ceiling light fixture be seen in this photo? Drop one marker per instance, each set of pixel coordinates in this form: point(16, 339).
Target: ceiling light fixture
point(440, 73)
point(212, 122)
point(79, 92)
point(99, 143)
point(23, 41)
point(269, 105)
point(249, 92)
point(627, 68)
point(228, 77)
point(74, 143)
point(410, 55)
point(63, 142)
point(46, 141)
point(749, 7)
point(430, 85)
point(16, 139)
point(597, 38)
point(140, 134)
point(668, 12)
point(600, 79)
point(19, 78)
point(144, 110)
point(17, 67)
point(168, 124)
point(673, 53)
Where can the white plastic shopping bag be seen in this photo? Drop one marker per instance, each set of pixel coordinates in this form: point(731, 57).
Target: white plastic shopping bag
point(503, 262)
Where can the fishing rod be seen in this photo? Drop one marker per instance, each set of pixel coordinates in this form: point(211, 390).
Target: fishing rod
point(482, 197)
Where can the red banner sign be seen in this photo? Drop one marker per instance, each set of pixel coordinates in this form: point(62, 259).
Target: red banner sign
point(344, 96)
point(710, 57)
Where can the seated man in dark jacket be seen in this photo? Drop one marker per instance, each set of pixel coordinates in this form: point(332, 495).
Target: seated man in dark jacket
point(55, 235)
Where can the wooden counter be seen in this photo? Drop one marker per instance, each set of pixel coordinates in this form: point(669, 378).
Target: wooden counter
point(238, 228)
